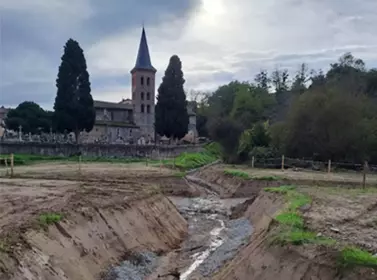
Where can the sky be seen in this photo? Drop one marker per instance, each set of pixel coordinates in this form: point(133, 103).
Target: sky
point(217, 40)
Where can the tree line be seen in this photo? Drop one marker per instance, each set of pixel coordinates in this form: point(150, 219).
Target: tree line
point(74, 106)
point(312, 115)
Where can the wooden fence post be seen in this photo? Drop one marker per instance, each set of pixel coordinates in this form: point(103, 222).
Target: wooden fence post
point(252, 162)
point(365, 174)
point(6, 166)
point(329, 166)
point(282, 163)
point(11, 164)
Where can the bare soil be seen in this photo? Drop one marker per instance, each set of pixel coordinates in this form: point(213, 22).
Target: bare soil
point(346, 214)
point(232, 186)
point(89, 171)
point(351, 177)
point(110, 209)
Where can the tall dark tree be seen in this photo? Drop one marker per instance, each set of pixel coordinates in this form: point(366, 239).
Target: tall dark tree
point(30, 116)
point(171, 117)
point(262, 80)
point(74, 110)
point(300, 80)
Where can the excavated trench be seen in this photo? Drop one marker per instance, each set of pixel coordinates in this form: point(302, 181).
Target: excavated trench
point(212, 240)
point(116, 232)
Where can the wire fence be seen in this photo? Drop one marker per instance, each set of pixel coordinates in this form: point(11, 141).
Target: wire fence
point(78, 165)
point(343, 170)
point(309, 164)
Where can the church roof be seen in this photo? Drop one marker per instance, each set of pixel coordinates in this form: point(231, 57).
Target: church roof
point(143, 60)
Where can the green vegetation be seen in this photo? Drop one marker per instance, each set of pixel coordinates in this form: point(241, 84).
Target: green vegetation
point(23, 159)
point(188, 161)
point(290, 219)
point(291, 230)
point(330, 114)
point(246, 176)
point(281, 189)
point(236, 173)
point(291, 225)
point(74, 106)
point(171, 117)
point(267, 178)
point(351, 256)
point(47, 219)
point(30, 116)
point(214, 149)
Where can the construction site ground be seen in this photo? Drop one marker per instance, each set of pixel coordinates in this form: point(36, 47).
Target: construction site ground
point(344, 212)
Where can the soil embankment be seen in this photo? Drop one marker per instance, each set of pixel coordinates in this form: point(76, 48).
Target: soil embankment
point(212, 226)
point(214, 179)
point(263, 261)
point(85, 228)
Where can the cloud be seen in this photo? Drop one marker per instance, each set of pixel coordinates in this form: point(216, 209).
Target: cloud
point(216, 41)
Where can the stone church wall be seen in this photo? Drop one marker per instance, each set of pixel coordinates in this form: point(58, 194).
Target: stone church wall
point(98, 150)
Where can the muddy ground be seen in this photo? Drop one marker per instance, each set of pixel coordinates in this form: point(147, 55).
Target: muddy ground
point(219, 225)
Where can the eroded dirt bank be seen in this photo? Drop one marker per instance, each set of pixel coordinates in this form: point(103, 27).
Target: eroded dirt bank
point(98, 228)
point(263, 261)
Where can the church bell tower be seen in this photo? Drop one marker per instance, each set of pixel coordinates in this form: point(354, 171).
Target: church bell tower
point(143, 89)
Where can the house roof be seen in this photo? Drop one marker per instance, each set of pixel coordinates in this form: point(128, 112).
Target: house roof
point(112, 105)
point(143, 60)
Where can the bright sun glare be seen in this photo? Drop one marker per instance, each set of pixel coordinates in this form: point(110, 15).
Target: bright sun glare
point(213, 9)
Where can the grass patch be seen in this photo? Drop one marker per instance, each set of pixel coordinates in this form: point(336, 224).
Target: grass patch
point(47, 219)
point(351, 256)
point(236, 173)
point(25, 159)
point(291, 229)
point(267, 178)
point(297, 200)
point(290, 219)
point(281, 189)
point(188, 161)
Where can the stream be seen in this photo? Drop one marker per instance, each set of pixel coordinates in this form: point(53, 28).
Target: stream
point(212, 240)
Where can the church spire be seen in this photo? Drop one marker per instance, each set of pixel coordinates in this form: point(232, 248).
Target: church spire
point(143, 60)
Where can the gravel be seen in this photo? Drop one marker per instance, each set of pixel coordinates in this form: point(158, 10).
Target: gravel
point(136, 268)
point(235, 235)
point(204, 215)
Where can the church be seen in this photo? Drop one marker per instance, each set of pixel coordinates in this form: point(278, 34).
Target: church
point(132, 120)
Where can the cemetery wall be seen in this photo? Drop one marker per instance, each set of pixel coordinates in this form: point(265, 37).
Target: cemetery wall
point(97, 150)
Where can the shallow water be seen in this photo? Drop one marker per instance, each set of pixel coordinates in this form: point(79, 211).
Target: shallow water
point(212, 239)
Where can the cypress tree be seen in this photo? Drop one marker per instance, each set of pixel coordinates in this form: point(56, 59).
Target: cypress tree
point(171, 117)
point(74, 108)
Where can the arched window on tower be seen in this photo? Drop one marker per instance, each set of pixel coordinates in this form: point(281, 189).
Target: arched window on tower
point(148, 96)
point(148, 81)
point(142, 80)
point(142, 108)
point(142, 95)
point(148, 109)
